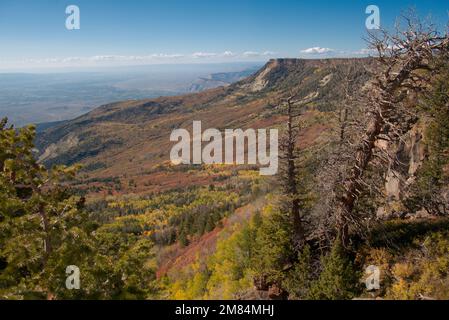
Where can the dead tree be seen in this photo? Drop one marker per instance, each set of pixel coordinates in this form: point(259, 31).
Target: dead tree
point(289, 175)
point(344, 77)
point(406, 59)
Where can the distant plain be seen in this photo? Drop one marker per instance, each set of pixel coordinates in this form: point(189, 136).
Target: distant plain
point(50, 96)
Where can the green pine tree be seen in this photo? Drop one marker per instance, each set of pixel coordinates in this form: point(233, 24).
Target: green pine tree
point(337, 280)
point(39, 217)
point(299, 279)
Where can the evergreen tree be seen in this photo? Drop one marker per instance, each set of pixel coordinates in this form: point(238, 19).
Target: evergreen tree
point(39, 217)
point(299, 279)
point(431, 177)
point(337, 280)
point(44, 229)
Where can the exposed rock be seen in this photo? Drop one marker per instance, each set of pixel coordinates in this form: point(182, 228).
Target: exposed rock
point(276, 293)
point(410, 154)
point(421, 214)
point(416, 150)
point(326, 80)
point(261, 80)
point(64, 145)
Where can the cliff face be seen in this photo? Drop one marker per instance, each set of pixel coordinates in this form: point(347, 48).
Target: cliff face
point(410, 153)
point(403, 178)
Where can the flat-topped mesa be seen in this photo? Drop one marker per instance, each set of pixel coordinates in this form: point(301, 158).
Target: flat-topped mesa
point(285, 73)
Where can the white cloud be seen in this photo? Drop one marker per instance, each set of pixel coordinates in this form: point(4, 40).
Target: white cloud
point(104, 58)
point(71, 59)
point(107, 58)
point(365, 52)
point(228, 54)
point(156, 57)
point(317, 50)
point(167, 56)
point(134, 58)
point(127, 60)
point(251, 54)
point(204, 55)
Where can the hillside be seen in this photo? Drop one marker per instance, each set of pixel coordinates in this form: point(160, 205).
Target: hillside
point(172, 153)
point(128, 140)
point(125, 146)
point(218, 231)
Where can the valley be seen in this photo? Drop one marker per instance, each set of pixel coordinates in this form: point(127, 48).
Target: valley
point(133, 137)
point(181, 152)
point(219, 231)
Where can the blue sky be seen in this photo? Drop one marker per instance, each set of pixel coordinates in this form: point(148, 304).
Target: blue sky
point(32, 32)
